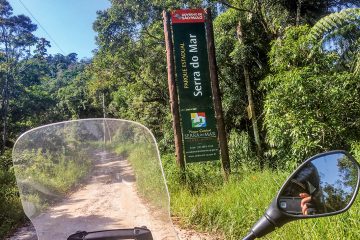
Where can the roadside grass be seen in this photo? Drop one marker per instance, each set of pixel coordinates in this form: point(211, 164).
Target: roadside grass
point(57, 172)
point(36, 169)
point(232, 208)
point(11, 212)
point(145, 163)
point(45, 177)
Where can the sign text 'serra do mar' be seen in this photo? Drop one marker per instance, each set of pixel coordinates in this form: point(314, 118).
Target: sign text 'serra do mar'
point(193, 82)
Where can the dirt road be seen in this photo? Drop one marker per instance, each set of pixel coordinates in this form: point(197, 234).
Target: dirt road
point(107, 201)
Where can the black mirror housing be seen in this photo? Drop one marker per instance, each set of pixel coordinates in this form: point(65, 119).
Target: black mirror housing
point(330, 180)
point(342, 177)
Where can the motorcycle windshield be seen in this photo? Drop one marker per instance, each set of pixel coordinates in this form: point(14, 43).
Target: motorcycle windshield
point(92, 175)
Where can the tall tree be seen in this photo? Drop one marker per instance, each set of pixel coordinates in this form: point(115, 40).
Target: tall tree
point(16, 37)
point(41, 48)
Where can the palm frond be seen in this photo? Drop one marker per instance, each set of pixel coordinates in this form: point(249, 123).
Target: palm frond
point(335, 21)
point(339, 32)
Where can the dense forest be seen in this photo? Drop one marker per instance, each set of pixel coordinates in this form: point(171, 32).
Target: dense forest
point(289, 74)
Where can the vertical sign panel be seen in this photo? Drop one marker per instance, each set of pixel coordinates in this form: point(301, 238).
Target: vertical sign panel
point(194, 87)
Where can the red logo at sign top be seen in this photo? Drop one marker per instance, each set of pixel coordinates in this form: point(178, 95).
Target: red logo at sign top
point(188, 16)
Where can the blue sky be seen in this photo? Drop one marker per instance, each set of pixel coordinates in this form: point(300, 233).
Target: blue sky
point(69, 22)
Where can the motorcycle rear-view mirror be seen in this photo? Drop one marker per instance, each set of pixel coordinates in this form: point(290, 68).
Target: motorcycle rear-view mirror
point(324, 185)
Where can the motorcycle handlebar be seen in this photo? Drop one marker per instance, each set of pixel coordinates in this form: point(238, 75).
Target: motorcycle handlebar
point(134, 233)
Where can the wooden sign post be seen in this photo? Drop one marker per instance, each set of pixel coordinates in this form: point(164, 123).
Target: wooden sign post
point(174, 104)
point(199, 127)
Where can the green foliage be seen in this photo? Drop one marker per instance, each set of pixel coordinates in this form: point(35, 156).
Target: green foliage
point(43, 177)
point(73, 98)
point(335, 21)
point(242, 156)
point(197, 179)
point(355, 150)
point(5, 159)
point(340, 33)
point(48, 89)
point(16, 38)
point(145, 164)
point(291, 51)
point(230, 75)
point(53, 171)
point(310, 105)
point(11, 212)
point(10, 205)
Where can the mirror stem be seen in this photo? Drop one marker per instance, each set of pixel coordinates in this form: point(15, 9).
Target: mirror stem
point(262, 227)
point(273, 218)
point(250, 236)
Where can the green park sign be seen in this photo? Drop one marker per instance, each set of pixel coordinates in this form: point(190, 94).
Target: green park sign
point(194, 87)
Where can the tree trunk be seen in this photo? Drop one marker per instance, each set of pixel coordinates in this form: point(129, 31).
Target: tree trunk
point(4, 113)
point(252, 111)
point(174, 104)
point(223, 143)
point(4, 95)
point(103, 105)
point(250, 100)
point(298, 12)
